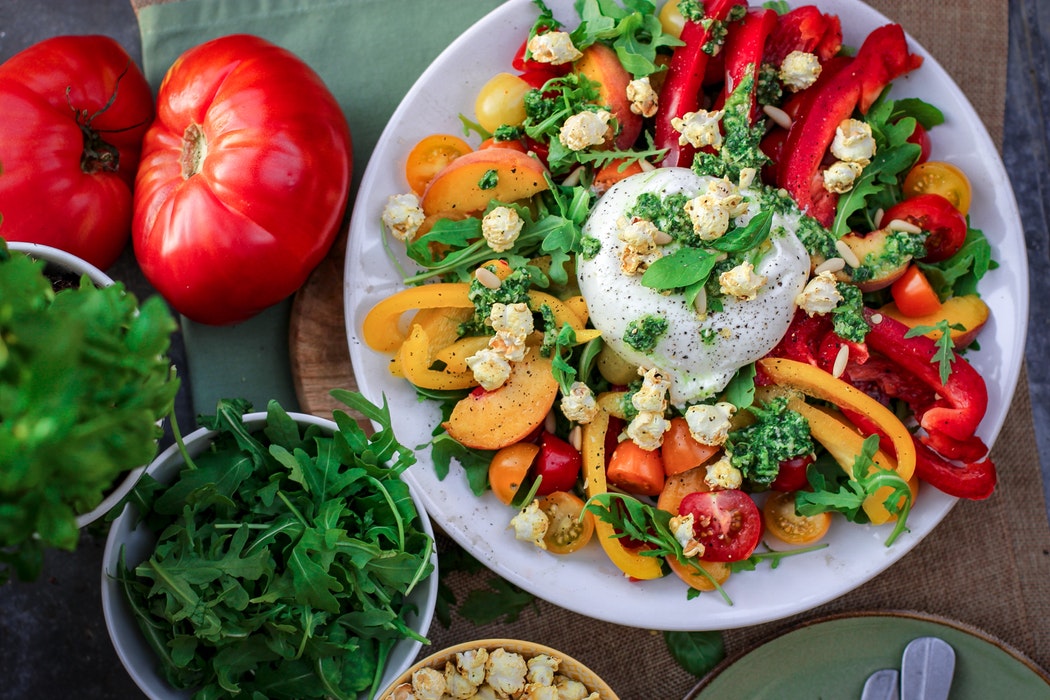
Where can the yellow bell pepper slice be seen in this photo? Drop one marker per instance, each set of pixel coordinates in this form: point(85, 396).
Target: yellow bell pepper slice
point(416, 357)
point(381, 328)
point(844, 443)
point(630, 563)
point(817, 383)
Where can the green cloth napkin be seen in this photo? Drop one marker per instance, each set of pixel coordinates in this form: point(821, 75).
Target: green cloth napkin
point(369, 53)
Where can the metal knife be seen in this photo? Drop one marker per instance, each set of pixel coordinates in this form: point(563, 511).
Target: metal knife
point(926, 669)
point(882, 685)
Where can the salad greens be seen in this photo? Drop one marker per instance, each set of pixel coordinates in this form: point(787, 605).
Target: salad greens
point(284, 558)
point(84, 380)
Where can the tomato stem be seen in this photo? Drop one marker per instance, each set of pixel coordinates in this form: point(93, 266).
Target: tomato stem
point(98, 155)
point(194, 149)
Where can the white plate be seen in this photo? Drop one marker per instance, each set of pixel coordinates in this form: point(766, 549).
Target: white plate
point(587, 582)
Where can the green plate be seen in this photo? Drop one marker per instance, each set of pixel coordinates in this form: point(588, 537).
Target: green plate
point(831, 658)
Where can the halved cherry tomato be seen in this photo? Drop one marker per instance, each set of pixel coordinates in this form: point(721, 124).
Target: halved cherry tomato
point(781, 520)
point(636, 470)
point(567, 531)
point(680, 451)
point(558, 463)
point(428, 157)
point(913, 293)
point(719, 571)
point(792, 473)
point(937, 216)
point(727, 523)
point(509, 468)
point(938, 177)
point(921, 138)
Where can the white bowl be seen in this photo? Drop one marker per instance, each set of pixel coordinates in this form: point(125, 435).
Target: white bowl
point(78, 266)
point(137, 541)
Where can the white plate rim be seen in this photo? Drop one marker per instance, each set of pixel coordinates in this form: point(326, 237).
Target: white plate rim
point(479, 524)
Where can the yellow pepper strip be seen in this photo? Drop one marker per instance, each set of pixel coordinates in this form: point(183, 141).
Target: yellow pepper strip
point(416, 358)
point(844, 443)
point(630, 563)
point(579, 307)
point(563, 313)
point(455, 354)
point(381, 330)
point(817, 383)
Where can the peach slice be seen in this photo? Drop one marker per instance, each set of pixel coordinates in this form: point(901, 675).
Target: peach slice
point(600, 64)
point(490, 420)
point(872, 246)
point(462, 186)
point(969, 312)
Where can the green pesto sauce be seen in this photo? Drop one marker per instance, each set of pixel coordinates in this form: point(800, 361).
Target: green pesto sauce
point(589, 247)
point(666, 213)
point(513, 290)
point(778, 434)
point(489, 180)
point(848, 317)
point(643, 334)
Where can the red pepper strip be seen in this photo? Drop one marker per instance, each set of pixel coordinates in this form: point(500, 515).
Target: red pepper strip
point(807, 29)
point(965, 395)
point(685, 77)
point(882, 58)
point(744, 47)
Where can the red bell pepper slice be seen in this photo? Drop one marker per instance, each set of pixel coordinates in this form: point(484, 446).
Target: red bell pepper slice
point(680, 93)
point(974, 480)
point(807, 29)
point(745, 45)
point(882, 58)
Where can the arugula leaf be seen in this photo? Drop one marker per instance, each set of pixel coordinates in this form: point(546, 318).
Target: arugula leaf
point(501, 601)
point(635, 32)
point(284, 557)
point(945, 355)
point(959, 274)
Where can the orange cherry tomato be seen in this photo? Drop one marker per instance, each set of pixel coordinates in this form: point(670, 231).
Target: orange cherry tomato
point(636, 470)
point(509, 467)
point(938, 177)
point(430, 156)
point(680, 451)
point(614, 171)
point(681, 485)
point(719, 571)
point(914, 295)
point(567, 531)
point(781, 520)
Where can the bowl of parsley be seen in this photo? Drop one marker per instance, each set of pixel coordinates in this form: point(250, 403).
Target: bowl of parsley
point(272, 554)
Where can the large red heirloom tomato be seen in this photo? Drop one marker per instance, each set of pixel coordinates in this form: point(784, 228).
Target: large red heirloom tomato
point(244, 179)
point(74, 109)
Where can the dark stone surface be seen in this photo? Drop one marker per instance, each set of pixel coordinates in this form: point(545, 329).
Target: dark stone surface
point(53, 639)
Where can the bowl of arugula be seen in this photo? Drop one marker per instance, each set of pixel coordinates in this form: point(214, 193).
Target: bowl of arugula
point(272, 554)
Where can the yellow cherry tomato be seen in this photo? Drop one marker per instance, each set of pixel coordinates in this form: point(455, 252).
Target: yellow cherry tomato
point(781, 520)
point(509, 467)
point(501, 101)
point(938, 177)
point(671, 18)
point(568, 531)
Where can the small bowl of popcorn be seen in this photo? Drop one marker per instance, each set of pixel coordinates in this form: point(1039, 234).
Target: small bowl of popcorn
point(499, 668)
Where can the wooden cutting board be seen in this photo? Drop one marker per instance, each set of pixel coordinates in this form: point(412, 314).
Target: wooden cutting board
point(318, 351)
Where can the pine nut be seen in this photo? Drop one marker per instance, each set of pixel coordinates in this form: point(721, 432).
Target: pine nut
point(779, 116)
point(904, 226)
point(840, 361)
point(830, 265)
point(487, 278)
point(847, 253)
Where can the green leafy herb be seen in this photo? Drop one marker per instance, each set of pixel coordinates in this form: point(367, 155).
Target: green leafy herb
point(284, 557)
point(501, 601)
point(84, 380)
point(633, 31)
point(945, 355)
point(684, 267)
point(959, 274)
point(742, 238)
point(696, 652)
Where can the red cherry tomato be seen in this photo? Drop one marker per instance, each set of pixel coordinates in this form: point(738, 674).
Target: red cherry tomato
point(727, 523)
point(921, 138)
point(244, 179)
point(934, 214)
point(558, 463)
point(792, 474)
point(74, 111)
point(914, 295)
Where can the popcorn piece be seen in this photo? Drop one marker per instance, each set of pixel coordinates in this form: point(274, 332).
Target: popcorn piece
point(647, 429)
point(501, 228)
point(428, 684)
point(728, 195)
point(554, 48)
point(853, 142)
point(710, 425)
point(723, 475)
point(471, 664)
point(652, 395)
point(799, 70)
point(542, 668)
point(403, 215)
point(457, 685)
point(513, 324)
point(709, 216)
point(530, 525)
point(491, 368)
point(579, 405)
point(741, 281)
point(569, 689)
point(699, 128)
point(506, 672)
point(821, 295)
point(840, 176)
point(640, 249)
point(682, 527)
point(643, 97)
point(585, 129)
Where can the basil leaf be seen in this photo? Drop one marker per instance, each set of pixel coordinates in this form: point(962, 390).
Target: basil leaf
point(685, 266)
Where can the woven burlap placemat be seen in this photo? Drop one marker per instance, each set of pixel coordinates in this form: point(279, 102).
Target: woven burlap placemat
point(987, 564)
